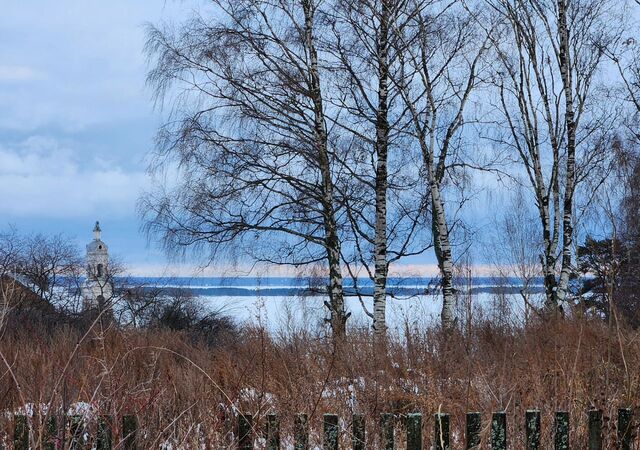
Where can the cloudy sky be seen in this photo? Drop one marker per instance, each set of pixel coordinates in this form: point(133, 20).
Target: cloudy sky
point(77, 120)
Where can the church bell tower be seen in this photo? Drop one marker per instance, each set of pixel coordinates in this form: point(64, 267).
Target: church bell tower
point(97, 290)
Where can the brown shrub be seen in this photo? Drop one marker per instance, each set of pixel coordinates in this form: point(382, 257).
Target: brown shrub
point(189, 393)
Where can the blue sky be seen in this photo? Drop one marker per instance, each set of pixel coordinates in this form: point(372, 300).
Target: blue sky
point(77, 120)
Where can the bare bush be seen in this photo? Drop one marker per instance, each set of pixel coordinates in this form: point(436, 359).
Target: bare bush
point(185, 392)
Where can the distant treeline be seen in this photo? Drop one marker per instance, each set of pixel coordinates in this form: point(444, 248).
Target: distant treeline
point(396, 291)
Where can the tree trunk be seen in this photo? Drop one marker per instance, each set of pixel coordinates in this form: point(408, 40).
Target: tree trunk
point(444, 256)
point(547, 259)
point(382, 149)
point(567, 218)
point(338, 316)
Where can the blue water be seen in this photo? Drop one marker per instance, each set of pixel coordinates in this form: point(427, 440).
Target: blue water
point(292, 286)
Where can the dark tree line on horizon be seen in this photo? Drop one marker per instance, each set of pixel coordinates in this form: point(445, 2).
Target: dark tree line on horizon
point(343, 136)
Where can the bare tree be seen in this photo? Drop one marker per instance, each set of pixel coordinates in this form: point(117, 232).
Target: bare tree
point(625, 54)
point(549, 56)
point(515, 246)
point(40, 278)
point(50, 266)
point(440, 72)
point(249, 133)
point(384, 190)
point(11, 252)
point(11, 259)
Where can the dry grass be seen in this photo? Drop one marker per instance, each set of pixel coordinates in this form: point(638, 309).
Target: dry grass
point(187, 393)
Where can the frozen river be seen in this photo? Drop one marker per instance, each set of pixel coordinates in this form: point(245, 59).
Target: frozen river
point(289, 304)
point(282, 314)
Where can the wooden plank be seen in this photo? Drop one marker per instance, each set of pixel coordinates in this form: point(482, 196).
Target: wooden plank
point(625, 428)
point(414, 431)
point(595, 429)
point(51, 433)
point(387, 431)
point(76, 428)
point(499, 431)
point(562, 431)
point(301, 432)
point(474, 425)
point(359, 432)
point(104, 438)
point(273, 432)
point(532, 427)
point(130, 432)
point(245, 432)
point(441, 432)
point(20, 432)
point(331, 432)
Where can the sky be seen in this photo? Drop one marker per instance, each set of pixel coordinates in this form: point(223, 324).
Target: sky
point(77, 120)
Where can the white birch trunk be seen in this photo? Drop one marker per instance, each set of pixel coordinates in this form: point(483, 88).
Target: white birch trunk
point(570, 181)
point(444, 256)
point(382, 149)
point(338, 317)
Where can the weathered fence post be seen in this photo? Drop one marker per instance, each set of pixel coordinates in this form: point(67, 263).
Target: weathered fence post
point(245, 432)
point(625, 428)
point(76, 429)
point(562, 430)
point(50, 434)
point(330, 432)
point(387, 431)
point(104, 439)
point(301, 432)
point(532, 427)
point(441, 435)
point(474, 425)
point(499, 431)
point(130, 432)
point(414, 431)
point(359, 432)
point(20, 433)
point(273, 432)
point(595, 429)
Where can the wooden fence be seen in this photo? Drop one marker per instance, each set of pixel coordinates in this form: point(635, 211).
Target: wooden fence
point(55, 440)
point(413, 426)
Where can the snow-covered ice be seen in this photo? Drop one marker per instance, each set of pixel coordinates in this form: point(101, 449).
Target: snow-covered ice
point(285, 314)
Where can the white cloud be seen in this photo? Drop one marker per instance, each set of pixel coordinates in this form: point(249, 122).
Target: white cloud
point(92, 54)
point(39, 178)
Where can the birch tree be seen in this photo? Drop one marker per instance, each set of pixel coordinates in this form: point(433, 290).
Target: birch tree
point(387, 215)
point(549, 56)
point(440, 73)
point(248, 132)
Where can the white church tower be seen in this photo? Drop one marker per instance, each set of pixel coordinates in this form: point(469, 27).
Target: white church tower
point(97, 290)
